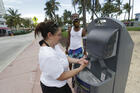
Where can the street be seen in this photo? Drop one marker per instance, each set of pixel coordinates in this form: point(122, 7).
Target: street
point(12, 46)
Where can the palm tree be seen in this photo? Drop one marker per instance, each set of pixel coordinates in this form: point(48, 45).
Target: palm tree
point(95, 8)
point(26, 22)
point(108, 9)
point(51, 7)
point(112, 8)
point(67, 17)
point(59, 20)
point(48, 10)
point(127, 8)
point(118, 8)
point(80, 9)
point(88, 7)
point(13, 18)
point(74, 6)
point(82, 6)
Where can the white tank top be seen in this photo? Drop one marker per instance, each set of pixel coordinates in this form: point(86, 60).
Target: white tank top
point(75, 39)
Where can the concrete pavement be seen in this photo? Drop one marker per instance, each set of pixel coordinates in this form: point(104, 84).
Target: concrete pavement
point(10, 47)
point(22, 74)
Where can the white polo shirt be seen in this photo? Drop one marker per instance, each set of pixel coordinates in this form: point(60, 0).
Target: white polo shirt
point(53, 62)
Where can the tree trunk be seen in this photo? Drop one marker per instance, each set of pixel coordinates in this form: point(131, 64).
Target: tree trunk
point(129, 10)
point(116, 16)
point(84, 14)
point(93, 10)
point(54, 16)
point(132, 9)
point(74, 9)
point(74, 6)
point(124, 15)
point(92, 16)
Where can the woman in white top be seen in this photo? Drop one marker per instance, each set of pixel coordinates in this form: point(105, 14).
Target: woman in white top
point(53, 61)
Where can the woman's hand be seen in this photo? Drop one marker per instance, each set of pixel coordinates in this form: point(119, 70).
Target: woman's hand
point(68, 74)
point(83, 63)
point(81, 60)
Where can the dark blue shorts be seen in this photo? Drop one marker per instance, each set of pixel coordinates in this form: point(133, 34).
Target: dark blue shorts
point(77, 53)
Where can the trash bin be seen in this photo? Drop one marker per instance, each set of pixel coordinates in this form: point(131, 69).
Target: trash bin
point(109, 48)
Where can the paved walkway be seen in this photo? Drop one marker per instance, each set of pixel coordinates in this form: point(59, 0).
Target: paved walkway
point(22, 75)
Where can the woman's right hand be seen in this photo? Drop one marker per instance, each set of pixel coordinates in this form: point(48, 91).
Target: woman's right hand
point(83, 64)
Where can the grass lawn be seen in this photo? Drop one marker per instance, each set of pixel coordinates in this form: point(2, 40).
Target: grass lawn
point(65, 34)
point(133, 28)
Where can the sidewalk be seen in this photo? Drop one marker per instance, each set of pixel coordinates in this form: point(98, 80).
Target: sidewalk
point(23, 74)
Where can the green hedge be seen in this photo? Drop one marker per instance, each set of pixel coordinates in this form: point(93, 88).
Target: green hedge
point(65, 34)
point(20, 32)
point(133, 28)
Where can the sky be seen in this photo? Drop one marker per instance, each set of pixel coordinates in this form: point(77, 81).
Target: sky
point(31, 8)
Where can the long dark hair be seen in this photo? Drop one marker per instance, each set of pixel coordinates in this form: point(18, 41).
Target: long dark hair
point(44, 28)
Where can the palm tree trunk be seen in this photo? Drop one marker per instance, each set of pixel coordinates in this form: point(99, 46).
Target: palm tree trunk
point(54, 15)
point(92, 15)
point(129, 10)
point(124, 15)
point(84, 14)
point(74, 8)
point(132, 9)
point(116, 16)
point(93, 11)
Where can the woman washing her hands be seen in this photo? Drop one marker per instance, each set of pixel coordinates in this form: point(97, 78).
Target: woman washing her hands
point(53, 62)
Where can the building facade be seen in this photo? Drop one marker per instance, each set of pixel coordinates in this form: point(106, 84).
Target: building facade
point(3, 26)
point(137, 17)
